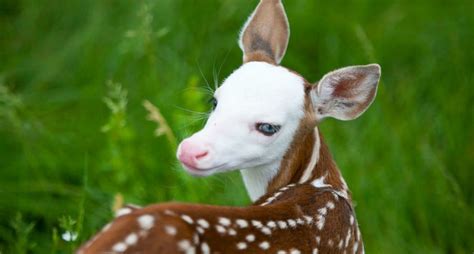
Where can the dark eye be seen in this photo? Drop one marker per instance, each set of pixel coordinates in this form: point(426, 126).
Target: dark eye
point(268, 129)
point(213, 102)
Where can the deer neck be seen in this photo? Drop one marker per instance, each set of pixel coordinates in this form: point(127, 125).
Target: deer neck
point(307, 160)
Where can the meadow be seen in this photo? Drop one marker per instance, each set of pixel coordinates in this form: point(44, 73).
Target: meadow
point(96, 95)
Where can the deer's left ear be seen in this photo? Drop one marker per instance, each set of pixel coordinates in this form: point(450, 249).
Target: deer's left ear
point(346, 93)
point(265, 35)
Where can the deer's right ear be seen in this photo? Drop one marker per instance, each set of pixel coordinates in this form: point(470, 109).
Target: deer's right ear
point(265, 35)
point(346, 93)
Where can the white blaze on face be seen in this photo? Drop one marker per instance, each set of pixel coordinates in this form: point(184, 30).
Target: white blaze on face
point(257, 92)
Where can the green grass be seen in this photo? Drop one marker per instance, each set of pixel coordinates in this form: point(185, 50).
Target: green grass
point(74, 133)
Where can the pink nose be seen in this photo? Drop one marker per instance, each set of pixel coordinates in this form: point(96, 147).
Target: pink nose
point(191, 153)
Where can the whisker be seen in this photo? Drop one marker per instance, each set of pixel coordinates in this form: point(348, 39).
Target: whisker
point(204, 77)
point(216, 75)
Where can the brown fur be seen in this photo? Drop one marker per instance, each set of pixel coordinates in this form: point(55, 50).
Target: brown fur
point(290, 216)
point(299, 153)
point(293, 204)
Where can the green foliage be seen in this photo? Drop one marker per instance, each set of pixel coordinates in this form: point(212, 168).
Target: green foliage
point(95, 96)
point(22, 229)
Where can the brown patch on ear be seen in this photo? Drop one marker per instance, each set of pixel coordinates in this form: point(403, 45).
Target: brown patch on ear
point(346, 87)
point(266, 33)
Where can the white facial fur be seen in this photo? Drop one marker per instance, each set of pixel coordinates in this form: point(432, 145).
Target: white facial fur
point(257, 92)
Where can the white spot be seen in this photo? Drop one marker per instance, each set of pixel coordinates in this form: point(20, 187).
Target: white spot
point(131, 239)
point(200, 230)
point(352, 220)
point(330, 242)
point(315, 251)
point(342, 194)
point(292, 223)
point(232, 231)
point(257, 223)
point(356, 247)
point(314, 159)
point(319, 183)
point(266, 230)
point(184, 245)
point(196, 239)
point(264, 245)
point(241, 246)
point(330, 204)
point(242, 223)
point(170, 230)
point(224, 221)
point(282, 224)
point(340, 244)
point(205, 248)
point(250, 238)
point(120, 247)
point(169, 213)
point(320, 222)
point(299, 221)
point(188, 219)
point(146, 221)
point(271, 224)
point(203, 223)
point(122, 211)
point(220, 229)
point(308, 219)
point(295, 251)
point(322, 211)
point(318, 239)
point(348, 237)
point(281, 252)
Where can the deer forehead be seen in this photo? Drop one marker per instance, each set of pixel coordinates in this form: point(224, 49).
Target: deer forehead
point(262, 90)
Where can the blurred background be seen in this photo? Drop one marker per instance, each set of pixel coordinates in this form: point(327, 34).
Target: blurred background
point(95, 95)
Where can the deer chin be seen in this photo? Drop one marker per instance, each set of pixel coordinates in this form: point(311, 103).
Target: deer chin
point(201, 171)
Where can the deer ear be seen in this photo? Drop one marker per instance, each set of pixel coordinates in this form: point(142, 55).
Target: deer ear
point(346, 93)
point(265, 35)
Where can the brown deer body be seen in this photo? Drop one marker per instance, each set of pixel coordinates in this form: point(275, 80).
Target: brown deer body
point(301, 202)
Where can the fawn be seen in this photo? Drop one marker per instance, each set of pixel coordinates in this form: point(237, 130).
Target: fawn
point(264, 122)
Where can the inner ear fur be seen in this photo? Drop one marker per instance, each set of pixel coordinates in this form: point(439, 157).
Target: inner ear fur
point(346, 93)
point(265, 35)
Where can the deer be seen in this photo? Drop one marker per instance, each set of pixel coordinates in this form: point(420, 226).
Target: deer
point(265, 122)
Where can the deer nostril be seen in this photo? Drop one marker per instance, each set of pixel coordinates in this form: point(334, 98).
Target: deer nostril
point(201, 155)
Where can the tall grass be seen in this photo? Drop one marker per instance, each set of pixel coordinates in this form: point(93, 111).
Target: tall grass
point(75, 132)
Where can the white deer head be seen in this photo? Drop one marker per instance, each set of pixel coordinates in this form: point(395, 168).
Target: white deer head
point(259, 107)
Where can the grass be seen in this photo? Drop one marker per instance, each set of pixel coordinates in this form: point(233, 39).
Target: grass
point(74, 134)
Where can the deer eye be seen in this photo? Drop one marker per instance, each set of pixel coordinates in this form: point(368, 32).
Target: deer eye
point(267, 129)
point(213, 102)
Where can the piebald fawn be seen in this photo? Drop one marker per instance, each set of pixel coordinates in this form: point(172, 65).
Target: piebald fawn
point(264, 122)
